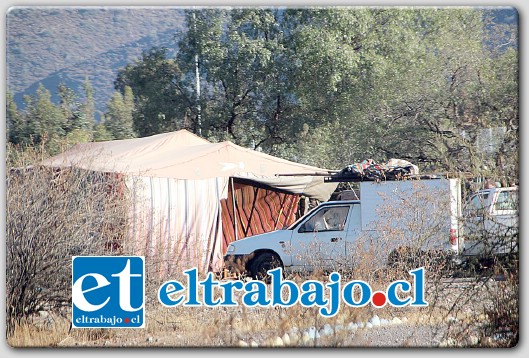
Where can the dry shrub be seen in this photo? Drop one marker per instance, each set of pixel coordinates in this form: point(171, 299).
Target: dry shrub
point(502, 314)
point(52, 215)
point(484, 309)
point(54, 330)
point(479, 299)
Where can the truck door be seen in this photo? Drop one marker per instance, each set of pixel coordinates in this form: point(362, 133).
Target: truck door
point(319, 242)
point(475, 213)
point(354, 232)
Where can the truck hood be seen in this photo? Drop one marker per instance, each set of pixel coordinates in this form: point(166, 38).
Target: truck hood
point(275, 240)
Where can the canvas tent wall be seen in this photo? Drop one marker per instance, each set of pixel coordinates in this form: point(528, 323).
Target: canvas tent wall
point(178, 182)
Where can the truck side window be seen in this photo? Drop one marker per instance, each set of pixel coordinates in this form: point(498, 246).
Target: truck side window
point(326, 219)
point(507, 200)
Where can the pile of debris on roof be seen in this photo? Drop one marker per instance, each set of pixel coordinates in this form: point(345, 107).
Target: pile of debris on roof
point(393, 169)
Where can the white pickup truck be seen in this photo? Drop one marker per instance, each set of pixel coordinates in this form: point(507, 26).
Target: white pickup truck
point(391, 217)
point(490, 218)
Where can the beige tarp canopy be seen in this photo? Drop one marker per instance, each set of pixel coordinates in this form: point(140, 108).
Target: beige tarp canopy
point(183, 155)
point(177, 180)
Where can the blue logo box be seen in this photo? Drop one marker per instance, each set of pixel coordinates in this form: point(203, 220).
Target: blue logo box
point(108, 292)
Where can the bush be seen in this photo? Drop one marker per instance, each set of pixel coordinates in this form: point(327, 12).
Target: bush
point(53, 215)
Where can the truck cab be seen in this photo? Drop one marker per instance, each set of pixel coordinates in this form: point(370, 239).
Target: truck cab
point(318, 240)
point(490, 222)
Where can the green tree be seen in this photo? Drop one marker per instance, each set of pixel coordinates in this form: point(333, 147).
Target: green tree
point(88, 107)
point(16, 128)
point(69, 105)
point(77, 129)
point(450, 100)
point(160, 98)
point(45, 121)
point(119, 119)
point(407, 83)
point(246, 95)
point(100, 131)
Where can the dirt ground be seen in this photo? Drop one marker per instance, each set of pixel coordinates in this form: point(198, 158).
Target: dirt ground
point(457, 315)
point(296, 326)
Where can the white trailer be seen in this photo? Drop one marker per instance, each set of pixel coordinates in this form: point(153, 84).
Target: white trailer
point(421, 214)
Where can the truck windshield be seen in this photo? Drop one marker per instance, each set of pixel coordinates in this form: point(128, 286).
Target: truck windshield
point(296, 223)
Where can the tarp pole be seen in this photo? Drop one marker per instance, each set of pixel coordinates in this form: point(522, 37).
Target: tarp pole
point(234, 209)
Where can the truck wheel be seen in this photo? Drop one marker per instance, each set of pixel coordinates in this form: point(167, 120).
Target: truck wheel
point(262, 263)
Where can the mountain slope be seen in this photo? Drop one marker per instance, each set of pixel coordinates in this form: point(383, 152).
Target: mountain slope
point(49, 45)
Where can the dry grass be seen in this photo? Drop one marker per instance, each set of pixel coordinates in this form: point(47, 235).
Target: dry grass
point(51, 330)
point(459, 308)
point(208, 327)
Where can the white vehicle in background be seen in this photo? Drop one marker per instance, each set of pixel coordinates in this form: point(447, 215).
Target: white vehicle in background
point(490, 225)
point(392, 221)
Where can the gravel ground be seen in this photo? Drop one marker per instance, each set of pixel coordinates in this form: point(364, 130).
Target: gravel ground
point(399, 336)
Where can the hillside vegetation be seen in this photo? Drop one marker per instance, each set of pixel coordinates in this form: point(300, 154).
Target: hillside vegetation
point(67, 44)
